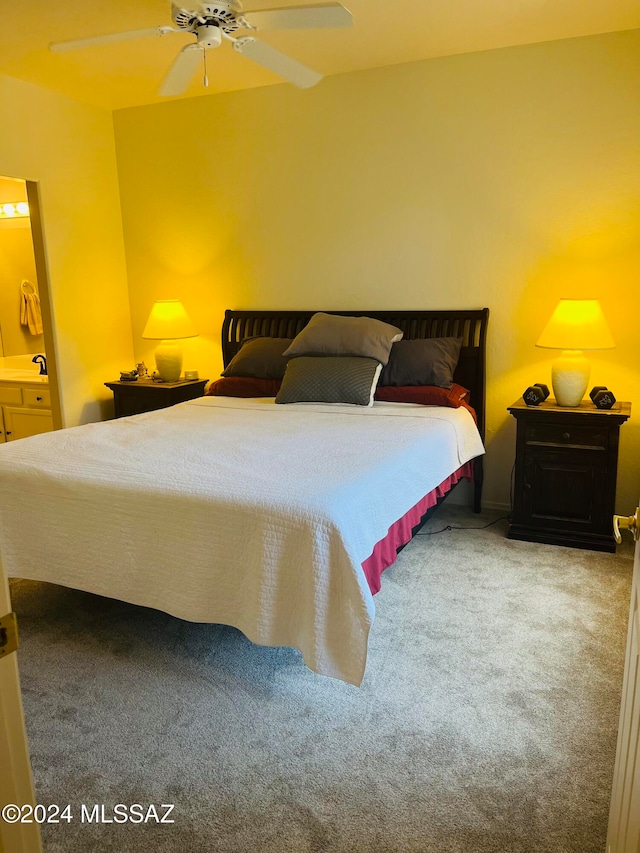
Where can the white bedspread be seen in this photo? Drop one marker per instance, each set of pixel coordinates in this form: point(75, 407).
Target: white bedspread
point(230, 511)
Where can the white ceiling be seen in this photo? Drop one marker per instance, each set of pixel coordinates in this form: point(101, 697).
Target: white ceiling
point(385, 32)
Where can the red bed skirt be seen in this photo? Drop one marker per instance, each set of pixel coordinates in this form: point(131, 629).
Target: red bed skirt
point(386, 550)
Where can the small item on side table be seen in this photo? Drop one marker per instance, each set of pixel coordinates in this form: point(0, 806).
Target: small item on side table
point(128, 375)
point(602, 398)
point(536, 394)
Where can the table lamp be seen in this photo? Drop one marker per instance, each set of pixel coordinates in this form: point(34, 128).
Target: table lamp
point(575, 325)
point(168, 322)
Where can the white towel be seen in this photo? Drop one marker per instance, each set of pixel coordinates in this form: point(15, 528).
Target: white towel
point(30, 313)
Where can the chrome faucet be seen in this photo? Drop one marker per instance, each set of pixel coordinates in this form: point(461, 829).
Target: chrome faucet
point(42, 361)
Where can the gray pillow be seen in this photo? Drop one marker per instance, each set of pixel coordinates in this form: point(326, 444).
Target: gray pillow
point(259, 357)
point(428, 361)
point(333, 334)
point(330, 379)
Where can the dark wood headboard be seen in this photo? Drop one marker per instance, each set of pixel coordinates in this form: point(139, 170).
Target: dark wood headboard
point(470, 325)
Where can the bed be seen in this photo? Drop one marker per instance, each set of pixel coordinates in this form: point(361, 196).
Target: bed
point(276, 519)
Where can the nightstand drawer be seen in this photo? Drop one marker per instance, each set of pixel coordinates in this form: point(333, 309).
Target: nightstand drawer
point(567, 435)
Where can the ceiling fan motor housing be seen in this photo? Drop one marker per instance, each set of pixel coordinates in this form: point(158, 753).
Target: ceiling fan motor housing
point(225, 15)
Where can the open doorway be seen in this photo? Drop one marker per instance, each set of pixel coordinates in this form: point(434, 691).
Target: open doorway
point(29, 398)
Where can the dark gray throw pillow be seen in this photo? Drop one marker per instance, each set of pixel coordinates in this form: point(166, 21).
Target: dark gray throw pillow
point(259, 357)
point(428, 361)
point(336, 334)
point(330, 379)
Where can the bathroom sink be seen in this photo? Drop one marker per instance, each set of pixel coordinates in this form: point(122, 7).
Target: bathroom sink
point(10, 374)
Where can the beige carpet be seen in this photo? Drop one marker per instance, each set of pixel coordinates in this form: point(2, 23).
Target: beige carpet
point(487, 720)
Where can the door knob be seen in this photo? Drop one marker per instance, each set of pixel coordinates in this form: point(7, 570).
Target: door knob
point(627, 522)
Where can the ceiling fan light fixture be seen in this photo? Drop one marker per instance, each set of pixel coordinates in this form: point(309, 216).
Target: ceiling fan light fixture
point(209, 35)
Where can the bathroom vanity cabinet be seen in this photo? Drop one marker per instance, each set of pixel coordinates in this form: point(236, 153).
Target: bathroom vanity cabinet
point(25, 409)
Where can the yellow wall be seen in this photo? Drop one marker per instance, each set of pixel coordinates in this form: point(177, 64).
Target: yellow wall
point(68, 148)
point(507, 178)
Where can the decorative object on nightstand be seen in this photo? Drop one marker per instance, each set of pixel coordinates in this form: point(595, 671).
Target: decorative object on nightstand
point(602, 398)
point(575, 325)
point(169, 322)
point(565, 473)
point(536, 394)
point(135, 398)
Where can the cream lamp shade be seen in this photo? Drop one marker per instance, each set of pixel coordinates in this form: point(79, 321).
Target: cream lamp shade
point(167, 323)
point(574, 326)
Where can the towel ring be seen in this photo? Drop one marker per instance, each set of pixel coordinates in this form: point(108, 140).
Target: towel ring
point(26, 284)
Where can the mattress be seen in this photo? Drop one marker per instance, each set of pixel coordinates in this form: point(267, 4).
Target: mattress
point(232, 511)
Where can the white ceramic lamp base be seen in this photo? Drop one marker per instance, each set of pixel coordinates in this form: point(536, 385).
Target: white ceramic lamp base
point(169, 360)
point(570, 376)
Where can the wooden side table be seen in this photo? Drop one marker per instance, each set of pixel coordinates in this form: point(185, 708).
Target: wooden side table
point(565, 474)
point(144, 395)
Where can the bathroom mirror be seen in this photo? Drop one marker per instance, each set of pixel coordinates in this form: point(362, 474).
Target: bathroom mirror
point(19, 333)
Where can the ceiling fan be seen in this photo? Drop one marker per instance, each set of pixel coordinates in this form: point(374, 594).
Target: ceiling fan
point(213, 22)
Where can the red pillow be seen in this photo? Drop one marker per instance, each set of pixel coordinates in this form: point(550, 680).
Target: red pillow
point(426, 395)
point(243, 386)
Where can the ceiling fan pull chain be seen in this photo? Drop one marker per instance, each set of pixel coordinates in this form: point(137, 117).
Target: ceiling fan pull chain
point(205, 79)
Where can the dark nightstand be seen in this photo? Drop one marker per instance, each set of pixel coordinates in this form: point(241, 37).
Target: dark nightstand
point(143, 395)
point(565, 474)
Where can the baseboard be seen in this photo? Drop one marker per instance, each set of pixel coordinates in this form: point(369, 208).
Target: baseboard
point(502, 507)
point(462, 496)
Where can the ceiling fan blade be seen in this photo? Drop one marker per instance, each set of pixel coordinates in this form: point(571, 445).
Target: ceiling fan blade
point(184, 67)
point(301, 17)
point(290, 69)
point(110, 38)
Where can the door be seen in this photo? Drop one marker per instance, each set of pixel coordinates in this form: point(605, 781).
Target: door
point(564, 488)
point(21, 422)
point(16, 783)
point(624, 816)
